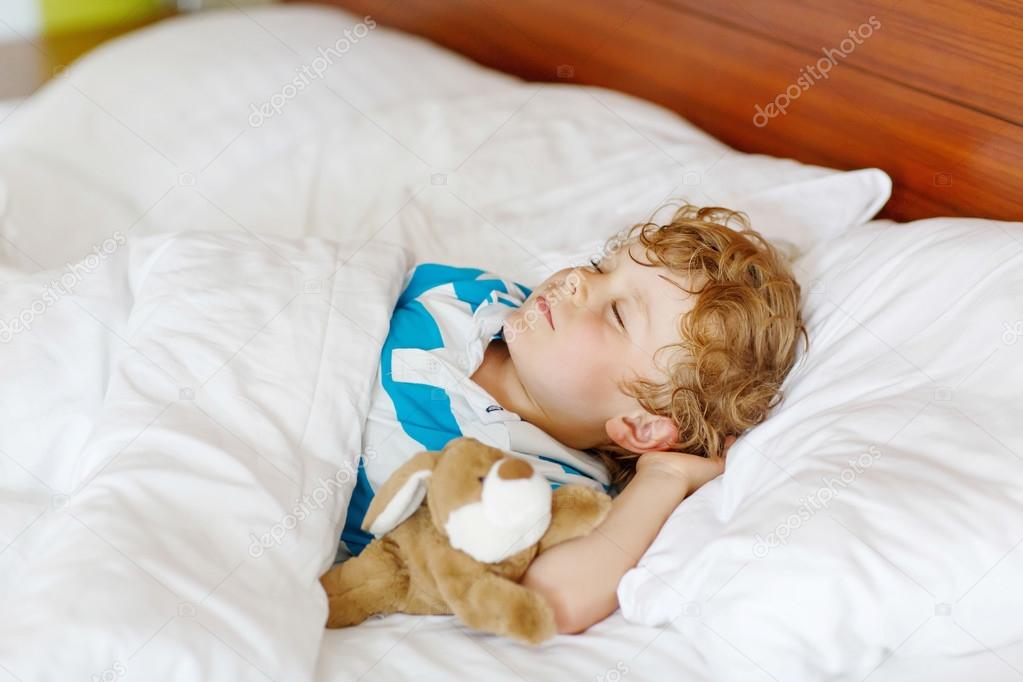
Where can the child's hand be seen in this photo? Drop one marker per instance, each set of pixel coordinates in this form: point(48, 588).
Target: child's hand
point(692, 469)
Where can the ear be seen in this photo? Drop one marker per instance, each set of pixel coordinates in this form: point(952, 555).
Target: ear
point(400, 496)
point(641, 432)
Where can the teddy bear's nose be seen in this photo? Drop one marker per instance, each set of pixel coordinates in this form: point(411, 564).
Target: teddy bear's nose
point(512, 468)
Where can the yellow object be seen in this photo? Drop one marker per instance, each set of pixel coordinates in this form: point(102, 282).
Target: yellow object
point(62, 16)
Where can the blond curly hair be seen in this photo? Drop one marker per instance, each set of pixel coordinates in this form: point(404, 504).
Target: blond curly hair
point(740, 338)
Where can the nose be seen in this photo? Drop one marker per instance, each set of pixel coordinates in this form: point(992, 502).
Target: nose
point(577, 286)
point(512, 469)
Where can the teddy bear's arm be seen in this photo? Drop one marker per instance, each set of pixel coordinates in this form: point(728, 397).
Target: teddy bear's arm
point(488, 602)
point(575, 511)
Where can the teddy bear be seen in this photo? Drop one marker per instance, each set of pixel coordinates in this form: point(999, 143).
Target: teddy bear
point(455, 531)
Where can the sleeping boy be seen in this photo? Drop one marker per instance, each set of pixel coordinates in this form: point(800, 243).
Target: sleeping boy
point(632, 375)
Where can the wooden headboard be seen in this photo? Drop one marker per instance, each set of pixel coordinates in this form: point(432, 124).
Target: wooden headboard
point(929, 90)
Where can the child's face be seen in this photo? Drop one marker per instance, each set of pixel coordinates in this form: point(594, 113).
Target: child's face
point(570, 349)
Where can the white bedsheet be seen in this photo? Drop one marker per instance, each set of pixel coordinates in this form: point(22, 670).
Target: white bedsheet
point(7, 107)
point(403, 647)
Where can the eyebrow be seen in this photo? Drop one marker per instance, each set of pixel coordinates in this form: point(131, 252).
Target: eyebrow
point(642, 304)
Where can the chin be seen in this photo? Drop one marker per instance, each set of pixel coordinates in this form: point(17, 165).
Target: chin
point(523, 339)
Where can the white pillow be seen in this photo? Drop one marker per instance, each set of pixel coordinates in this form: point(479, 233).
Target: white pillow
point(398, 140)
point(879, 508)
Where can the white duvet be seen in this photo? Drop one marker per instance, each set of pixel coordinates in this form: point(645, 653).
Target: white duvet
point(183, 422)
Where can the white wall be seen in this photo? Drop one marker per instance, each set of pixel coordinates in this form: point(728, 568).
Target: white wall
point(19, 16)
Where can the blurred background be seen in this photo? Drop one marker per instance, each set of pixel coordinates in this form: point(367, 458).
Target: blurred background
point(39, 37)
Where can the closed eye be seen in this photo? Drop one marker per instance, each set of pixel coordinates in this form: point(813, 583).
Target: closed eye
point(614, 309)
point(595, 264)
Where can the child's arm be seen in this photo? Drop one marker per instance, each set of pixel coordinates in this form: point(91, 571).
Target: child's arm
point(579, 578)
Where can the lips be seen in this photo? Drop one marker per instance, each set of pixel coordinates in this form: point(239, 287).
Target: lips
point(541, 304)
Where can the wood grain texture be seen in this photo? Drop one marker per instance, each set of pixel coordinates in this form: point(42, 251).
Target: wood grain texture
point(967, 52)
point(933, 95)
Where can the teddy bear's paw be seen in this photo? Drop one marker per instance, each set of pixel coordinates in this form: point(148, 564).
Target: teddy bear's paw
point(342, 617)
point(531, 619)
point(351, 598)
point(575, 512)
point(586, 504)
point(601, 507)
point(344, 613)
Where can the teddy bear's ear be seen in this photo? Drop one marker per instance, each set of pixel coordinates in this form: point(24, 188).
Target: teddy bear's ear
point(400, 496)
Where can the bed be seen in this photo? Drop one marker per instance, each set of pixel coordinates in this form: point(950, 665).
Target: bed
point(187, 137)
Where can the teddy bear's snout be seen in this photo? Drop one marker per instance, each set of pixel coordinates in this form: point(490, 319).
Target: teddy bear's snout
point(513, 512)
point(513, 492)
point(512, 468)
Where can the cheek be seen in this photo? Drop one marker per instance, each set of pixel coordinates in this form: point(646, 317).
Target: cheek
point(574, 365)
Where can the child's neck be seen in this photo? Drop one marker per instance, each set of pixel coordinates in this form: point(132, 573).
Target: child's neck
point(498, 377)
point(493, 373)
